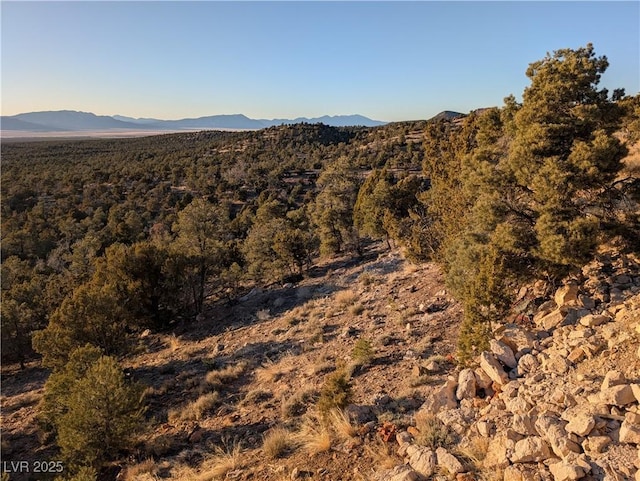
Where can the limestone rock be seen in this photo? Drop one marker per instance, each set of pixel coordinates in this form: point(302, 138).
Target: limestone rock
point(613, 378)
point(592, 320)
point(531, 449)
point(442, 398)
point(596, 444)
point(552, 430)
point(630, 432)
point(567, 294)
point(528, 364)
point(619, 395)
point(421, 459)
point(635, 388)
point(517, 338)
point(524, 424)
point(400, 473)
point(503, 353)
point(498, 451)
point(493, 369)
point(466, 385)
point(448, 461)
point(551, 320)
point(581, 424)
point(570, 469)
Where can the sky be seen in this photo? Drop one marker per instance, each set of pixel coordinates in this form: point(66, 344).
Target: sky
point(388, 61)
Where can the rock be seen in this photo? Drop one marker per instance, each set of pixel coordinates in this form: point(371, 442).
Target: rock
point(524, 424)
point(493, 369)
point(503, 353)
point(596, 444)
point(581, 424)
point(630, 432)
point(531, 449)
point(576, 355)
point(399, 473)
point(403, 438)
point(516, 337)
point(442, 398)
point(528, 364)
point(613, 378)
point(551, 320)
point(359, 414)
point(422, 459)
point(520, 472)
point(448, 461)
point(498, 452)
point(466, 385)
point(592, 320)
point(483, 381)
point(567, 294)
point(619, 395)
point(556, 364)
point(485, 428)
point(635, 388)
point(570, 469)
point(552, 430)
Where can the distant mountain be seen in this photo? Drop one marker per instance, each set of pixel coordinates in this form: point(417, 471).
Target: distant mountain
point(69, 120)
point(72, 121)
point(446, 115)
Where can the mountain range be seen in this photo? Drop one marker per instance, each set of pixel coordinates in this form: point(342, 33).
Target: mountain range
point(73, 121)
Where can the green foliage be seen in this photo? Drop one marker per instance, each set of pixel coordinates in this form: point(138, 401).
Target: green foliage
point(333, 209)
point(103, 413)
point(91, 409)
point(362, 352)
point(335, 393)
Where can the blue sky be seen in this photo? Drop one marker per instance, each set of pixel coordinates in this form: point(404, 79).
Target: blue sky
point(386, 60)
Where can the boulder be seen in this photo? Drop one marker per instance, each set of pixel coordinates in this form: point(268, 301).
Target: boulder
point(570, 469)
point(619, 395)
point(503, 353)
point(493, 369)
point(552, 430)
point(531, 449)
point(595, 444)
point(592, 320)
point(581, 424)
point(528, 364)
point(466, 385)
point(448, 461)
point(498, 450)
point(520, 340)
point(613, 378)
point(422, 460)
point(567, 294)
point(629, 432)
point(524, 424)
point(443, 397)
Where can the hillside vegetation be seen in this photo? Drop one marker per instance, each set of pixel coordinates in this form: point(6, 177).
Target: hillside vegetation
point(202, 305)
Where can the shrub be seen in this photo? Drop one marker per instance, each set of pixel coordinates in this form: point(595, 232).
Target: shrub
point(336, 392)
point(362, 352)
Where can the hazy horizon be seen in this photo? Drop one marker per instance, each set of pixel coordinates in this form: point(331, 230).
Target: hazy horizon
point(388, 61)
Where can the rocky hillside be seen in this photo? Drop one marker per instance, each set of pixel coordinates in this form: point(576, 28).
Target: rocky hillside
point(557, 398)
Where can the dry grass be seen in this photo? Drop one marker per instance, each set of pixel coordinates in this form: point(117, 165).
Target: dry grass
point(473, 451)
point(341, 425)
point(173, 343)
point(225, 375)
point(433, 433)
point(356, 309)
point(223, 461)
point(346, 298)
point(271, 372)
point(297, 404)
point(143, 471)
point(314, 436)
point(195, 411)
point(277, 442)
point(383, 454)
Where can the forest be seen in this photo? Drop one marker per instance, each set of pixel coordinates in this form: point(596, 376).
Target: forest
point(103, 240)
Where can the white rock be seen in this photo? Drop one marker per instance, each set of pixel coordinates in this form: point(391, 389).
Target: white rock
point(619, 395)
point(531, 449)
point(630, 433)
point(592, 320)
point(423, 460)
point(466, 385)
point(448, 461)
point(503, 353)
point(567, 294)
point(498, 451)
point(581, 424)
point(400, 473)
point(493, 369)
point(442, 398)
point(613, 378)
point(527, 364)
